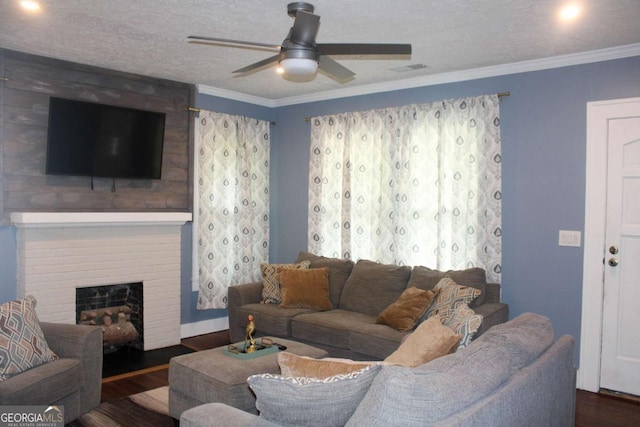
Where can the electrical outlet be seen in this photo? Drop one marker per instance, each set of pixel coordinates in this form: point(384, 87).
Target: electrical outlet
point(569, 238)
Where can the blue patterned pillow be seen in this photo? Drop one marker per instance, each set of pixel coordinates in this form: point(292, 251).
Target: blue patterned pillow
point(311, 402)
point(271, 292)
point(464, 322)
point(22, 343)
point(450, 296)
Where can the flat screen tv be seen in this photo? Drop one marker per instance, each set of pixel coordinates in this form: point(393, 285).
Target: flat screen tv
point(98, 140)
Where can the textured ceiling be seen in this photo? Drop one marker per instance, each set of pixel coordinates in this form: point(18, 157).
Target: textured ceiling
point(149, 37)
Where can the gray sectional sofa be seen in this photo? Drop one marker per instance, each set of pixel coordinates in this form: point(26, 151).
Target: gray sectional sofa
point(359, 292)
point(516, 374)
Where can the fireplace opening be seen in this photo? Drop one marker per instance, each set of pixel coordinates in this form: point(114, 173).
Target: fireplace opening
point(118, 310)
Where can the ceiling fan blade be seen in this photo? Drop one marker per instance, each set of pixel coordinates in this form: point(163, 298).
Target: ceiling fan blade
point(258, 64)
point(335, 70)
point(364, 49)
point(233, 43)
point(305, 28)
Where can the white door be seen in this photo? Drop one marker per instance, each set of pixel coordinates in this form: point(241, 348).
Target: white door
point(620, 359)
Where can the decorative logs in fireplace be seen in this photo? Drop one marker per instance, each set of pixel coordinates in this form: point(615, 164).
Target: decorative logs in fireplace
point(116, 324)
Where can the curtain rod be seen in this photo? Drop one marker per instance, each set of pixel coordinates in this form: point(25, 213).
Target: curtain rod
point(499, 94)
point(197, 110)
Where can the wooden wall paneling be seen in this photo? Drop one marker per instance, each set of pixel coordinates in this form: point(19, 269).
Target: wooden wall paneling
point(25, 102)
point(2, 95)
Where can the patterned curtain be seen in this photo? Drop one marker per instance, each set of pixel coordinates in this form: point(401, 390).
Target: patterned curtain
point(232, 203)
point(414, 185)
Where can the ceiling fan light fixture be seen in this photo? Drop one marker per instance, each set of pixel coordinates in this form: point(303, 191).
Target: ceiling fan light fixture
point(302, 67)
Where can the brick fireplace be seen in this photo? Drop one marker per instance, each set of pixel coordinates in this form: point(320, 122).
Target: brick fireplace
point(59, 252)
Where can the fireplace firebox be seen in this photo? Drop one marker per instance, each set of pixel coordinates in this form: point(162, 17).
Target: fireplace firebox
point(118, 309)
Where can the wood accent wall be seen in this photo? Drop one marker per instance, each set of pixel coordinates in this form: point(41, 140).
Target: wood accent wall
point(27, 82)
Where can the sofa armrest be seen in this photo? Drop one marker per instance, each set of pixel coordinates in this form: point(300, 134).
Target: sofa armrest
point(224, 415)
point(239, 295)
point(85, 344)
point(246, 293)
point(492, 314)
point(493, 293)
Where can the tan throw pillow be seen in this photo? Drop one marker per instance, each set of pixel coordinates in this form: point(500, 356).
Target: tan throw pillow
point(292, 365)
point(271, 293)
point(305, 289)
point(404, 313)
point(22, 342)
point(429, 341)
point(450, 296)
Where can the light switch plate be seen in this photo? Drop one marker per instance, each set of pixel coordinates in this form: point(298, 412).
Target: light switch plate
point(570, 238)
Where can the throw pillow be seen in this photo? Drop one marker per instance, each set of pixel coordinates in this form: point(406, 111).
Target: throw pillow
point(464, 322)
point(426, 278)
point(404, 313)
point(339, 271)
point(429, 341)
point(271, 293)
point(22, 342)
point(305, 288)
point(450, 296)
point(302, 401)
point(292, 365)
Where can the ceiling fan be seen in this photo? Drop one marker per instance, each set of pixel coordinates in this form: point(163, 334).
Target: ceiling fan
point(299, 56)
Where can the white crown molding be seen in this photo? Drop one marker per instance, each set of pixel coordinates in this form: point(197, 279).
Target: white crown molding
point(236, 96)
point(617, 52)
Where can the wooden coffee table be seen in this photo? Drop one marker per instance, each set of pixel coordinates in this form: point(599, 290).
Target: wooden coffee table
point(213, 376)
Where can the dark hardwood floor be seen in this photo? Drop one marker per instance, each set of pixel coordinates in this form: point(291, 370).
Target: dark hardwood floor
point(148, 379)
point(592, 409)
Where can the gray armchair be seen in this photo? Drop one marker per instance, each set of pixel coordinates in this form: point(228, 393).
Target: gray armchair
point(73, 381)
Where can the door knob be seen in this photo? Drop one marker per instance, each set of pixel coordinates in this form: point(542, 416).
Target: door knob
point(613, 262)
point(613, 250)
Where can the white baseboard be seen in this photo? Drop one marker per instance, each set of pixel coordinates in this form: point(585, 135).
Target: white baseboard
point(204, 327)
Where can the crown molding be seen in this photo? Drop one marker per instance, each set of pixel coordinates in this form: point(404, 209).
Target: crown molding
point(236, 96)
point(607, 54)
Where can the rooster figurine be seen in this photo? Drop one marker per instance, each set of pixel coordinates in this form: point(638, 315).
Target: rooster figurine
point(251, 328)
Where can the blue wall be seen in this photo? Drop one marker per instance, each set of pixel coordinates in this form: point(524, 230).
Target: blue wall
point(8, 264)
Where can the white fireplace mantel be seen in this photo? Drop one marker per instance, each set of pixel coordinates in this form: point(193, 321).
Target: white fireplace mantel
point(96, 219)
point(59, 252)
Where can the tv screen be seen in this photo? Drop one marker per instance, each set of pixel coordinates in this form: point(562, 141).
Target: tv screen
point(98, 140)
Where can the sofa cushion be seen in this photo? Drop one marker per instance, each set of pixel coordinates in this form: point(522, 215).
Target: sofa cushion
point(372, 287)
point(270, 319)
point(457, 380)
point(426, 278)
point(375, 341)
point(450, 296)
point(305, 288)
point(22, 342)
point(464, 322)
point(339, 271)
point(429, 341)
point(271, 293)
point(292, 365)
point(403, 314)
point(332, 328)
point(310, 401)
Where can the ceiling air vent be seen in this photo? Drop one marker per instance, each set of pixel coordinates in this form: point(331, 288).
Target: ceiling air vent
point(406, 68)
